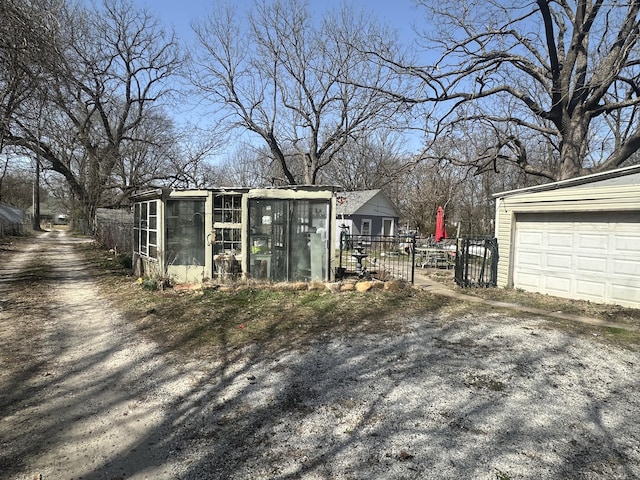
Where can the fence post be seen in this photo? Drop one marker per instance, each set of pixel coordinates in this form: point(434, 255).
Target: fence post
point(494, 262)
point(413, 258)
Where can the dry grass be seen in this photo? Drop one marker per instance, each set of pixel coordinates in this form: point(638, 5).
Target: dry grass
point(609, 313)
point(206, 324)
point(210, 322)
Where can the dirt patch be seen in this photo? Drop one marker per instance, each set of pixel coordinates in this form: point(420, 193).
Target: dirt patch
point(450, 393)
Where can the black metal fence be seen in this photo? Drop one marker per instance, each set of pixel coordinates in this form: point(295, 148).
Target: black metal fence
point(476, 262)
point(376, 257)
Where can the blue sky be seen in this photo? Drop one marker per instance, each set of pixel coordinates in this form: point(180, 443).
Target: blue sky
point(399, 14)
point(179, 15)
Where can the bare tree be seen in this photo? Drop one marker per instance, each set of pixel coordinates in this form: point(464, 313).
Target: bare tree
point(17, 185)
point(370, 162)
point(190, 160)
point(294, 82)
point(152, 158)
point(419, 193)
point(554, 84)
point(106, 74)
point(248, 166)
point(23, 43)
point(443, 178)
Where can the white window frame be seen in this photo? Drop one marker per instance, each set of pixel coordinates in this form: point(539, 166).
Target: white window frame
point(227, 220)
point(362, 224)
point(143, 230)
point(392, 229)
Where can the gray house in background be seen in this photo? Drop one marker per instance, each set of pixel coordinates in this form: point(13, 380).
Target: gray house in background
point(366, 212)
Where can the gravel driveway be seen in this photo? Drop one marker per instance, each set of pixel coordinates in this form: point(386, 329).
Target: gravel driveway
point(486, 397)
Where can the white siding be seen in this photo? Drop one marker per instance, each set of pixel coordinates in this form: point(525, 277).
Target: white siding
point(378, 206)
point(593, 199)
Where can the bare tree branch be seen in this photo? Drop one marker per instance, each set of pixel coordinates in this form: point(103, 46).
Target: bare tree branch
point(548, 69)
point(296, 84)
point(101, 79)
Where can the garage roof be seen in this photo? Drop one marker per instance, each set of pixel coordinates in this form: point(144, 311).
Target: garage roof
point(572, 182)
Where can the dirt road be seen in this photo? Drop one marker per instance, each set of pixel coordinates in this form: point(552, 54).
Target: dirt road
point(486, 396)
point(80, 393)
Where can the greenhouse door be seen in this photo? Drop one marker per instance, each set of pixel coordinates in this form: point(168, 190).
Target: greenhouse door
point(288, 239)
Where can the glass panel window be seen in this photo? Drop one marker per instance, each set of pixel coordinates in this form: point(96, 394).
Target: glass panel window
point(227, 240)
point(227, 209)
point(227, 234)
point(145, 229)
point(185, 232)
point(288, 239)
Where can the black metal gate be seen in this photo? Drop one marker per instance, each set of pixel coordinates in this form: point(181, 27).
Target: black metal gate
point(376, 257)
point(476, 262)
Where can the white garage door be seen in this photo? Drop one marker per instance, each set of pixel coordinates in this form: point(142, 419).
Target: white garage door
point(582, 256)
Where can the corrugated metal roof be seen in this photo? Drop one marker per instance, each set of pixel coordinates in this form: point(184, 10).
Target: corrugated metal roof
point(11, 215)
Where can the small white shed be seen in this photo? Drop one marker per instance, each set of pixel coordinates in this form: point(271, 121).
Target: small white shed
point(578, 238)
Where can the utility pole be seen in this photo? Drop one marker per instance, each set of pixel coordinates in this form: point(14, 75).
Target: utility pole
point(36, 197)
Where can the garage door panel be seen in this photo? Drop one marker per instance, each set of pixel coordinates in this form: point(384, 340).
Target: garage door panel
point(562, 262)
point(582, 256)
point(627, 268)
point(626, 243)
point(591, 265)
point(530, 281)
point(590, 288)
point(596, 242)
point(531, 238)
point(625, 295)
point(558, 285)
point(533, 259)
point(560, 240)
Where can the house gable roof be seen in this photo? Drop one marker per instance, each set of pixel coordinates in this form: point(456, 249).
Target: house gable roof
point(365, 202)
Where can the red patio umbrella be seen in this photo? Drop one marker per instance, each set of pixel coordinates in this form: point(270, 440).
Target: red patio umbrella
point(441, 231)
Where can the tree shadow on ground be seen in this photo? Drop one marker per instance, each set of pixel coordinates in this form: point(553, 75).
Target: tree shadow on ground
point(489, 397)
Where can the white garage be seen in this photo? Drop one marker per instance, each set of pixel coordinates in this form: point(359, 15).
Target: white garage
point(577, 239)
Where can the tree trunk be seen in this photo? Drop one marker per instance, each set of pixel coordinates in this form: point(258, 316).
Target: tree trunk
point(572, 150)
